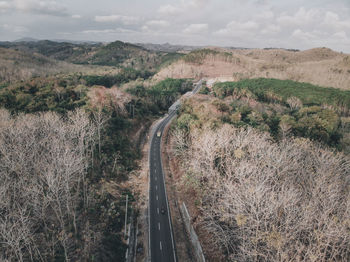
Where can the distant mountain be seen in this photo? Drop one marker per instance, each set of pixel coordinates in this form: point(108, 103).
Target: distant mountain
point(26, 39)
point(168, 47)
point(76, 41)
point(119, 54)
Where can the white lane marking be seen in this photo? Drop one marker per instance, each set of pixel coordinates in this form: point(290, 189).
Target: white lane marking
point(156, 187)
point(159, 226)
point(155, 178)
point(158, 210)
point(157, 197)
point(160, 245)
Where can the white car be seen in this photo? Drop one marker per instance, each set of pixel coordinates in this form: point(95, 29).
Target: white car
point(159, 134)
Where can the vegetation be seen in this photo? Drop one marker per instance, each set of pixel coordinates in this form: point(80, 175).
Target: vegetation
point(49, 207)
point(262, 192)
point(271, 105)
point(115, 54)
point(89, 220)
point(42, 94)
point(126, 75)
point(197, 56)
point(259, 200)
point(274, 90)
point(161, 96)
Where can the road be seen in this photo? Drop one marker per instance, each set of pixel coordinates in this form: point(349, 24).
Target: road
point(162, 244)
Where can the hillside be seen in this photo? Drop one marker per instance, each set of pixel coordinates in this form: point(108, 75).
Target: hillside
point(263, 167)
point(18, 65)
point(117, 53)
point(319, 66)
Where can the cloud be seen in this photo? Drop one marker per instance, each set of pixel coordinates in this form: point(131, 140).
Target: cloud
point(196, 28)
point(15, 28)
point(235, 28)
point(169, 10)
point(302, 17)
point(76, 16)
point(126, 20)
point(158, 23)
point(109, 31)
point(305, 36)
point(271, 29)
point(4, 6)
point(341, 35)
point(266, 15)
point(44, 7)
point(182, 7)
point(195, 3)
point(333, 21)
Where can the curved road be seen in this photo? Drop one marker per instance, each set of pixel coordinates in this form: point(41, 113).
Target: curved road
point(162, 244)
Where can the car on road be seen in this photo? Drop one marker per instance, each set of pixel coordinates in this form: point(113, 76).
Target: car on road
point(159, 134)
point(162, 210)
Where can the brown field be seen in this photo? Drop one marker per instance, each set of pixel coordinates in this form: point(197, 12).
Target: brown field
point(319, 66)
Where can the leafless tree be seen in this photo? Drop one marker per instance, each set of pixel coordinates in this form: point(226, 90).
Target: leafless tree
point(43, 162)
point(262, 201)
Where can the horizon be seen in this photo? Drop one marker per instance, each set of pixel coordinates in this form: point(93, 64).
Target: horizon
point(250, 24)
point(31, 39)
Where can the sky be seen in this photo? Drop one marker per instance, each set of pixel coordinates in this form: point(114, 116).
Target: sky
point(296, 24)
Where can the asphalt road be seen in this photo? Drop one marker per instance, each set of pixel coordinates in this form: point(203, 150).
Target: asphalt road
point(162, 244)
point(161, 238)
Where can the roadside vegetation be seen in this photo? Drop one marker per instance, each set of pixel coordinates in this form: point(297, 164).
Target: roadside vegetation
point(266, 163)
point(271, 105)
point(158, 98)
point(68, 144)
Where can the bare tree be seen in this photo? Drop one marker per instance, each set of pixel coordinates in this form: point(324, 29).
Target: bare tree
point(43, 163)
point(262, 201)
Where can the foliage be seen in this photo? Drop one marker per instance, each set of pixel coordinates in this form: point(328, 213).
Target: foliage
point(198, 56)
point(126, 75)
point(115, 54)
point(160, 96)
point(44, 94)
point(321, 124)
point(264, 89)
point(204, 90)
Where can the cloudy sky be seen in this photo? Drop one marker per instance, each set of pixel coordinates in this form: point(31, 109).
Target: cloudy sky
point(297, 24)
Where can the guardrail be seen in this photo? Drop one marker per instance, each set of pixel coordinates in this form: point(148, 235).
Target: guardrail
point(192, 233)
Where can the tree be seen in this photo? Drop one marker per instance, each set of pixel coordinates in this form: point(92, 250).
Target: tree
point(266, 201)
point(43, 163)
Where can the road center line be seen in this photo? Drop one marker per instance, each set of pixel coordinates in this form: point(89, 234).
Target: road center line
point(156, 187)
point(157, 197)
point(158, 210)
point(160, 245)
point(159, 226)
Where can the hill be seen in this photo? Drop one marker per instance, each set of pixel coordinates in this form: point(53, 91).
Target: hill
point(319, 66)
point(18, 65)
point(117, 53)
